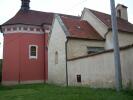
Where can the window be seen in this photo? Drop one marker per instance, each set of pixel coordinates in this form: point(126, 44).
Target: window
point(31, 29)
point(56, 57)
point(94, 49)
point(79, 78)
point(119, 13)
point(19, 28)
point(14, 28)
point(25, 28)
point(38, 29)
point(33, 51)
point(8, 29)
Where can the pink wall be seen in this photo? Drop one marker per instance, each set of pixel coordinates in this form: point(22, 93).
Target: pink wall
point(16, 64)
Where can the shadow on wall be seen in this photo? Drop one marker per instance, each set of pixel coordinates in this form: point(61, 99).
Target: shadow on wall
point(0, 70)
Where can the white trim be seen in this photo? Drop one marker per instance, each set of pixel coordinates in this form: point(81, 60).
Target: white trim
point(33, 57)
point(34, 31)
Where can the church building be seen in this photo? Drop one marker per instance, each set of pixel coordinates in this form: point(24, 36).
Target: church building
point(25, 46)
point(63, 49)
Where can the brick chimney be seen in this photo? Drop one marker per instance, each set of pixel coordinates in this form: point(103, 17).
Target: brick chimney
point(25, 5)
point(121, 12)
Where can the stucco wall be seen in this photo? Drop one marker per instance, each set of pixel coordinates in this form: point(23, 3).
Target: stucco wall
point(94, 22)
point(57, 72)
point(78, 47)
point(99, 70)
point(124, 39)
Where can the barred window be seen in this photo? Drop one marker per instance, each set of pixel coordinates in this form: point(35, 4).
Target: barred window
point(33, 50)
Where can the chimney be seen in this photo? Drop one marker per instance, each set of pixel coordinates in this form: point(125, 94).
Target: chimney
point(25, 5)
point(121, 12)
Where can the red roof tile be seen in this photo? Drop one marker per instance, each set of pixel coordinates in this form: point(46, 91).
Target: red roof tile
point(123, 25)
point(31, 18)
point(80, 29)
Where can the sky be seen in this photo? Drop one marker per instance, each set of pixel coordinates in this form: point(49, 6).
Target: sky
point(8, 8)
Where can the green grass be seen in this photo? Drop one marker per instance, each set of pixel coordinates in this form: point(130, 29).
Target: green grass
point(51, 92)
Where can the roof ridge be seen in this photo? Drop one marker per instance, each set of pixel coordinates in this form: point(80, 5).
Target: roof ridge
point(98, 11)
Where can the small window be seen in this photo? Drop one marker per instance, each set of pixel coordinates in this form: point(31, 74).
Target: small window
point(8, 29)
point(14, 28)
point(79, 78)
point(94, 49)
point(38, 29)
point(31, 29)
point(25, 28)
point(19, 28)
point(33, 50)
point(119, 13)
point(56, 57)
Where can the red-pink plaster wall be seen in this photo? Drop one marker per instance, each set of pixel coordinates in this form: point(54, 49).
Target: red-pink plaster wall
point(16, 64)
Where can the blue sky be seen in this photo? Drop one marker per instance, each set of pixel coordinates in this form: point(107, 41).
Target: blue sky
point(8, 8)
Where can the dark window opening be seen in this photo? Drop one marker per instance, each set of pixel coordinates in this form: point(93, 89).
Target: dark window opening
point(8, 29)
point(94, 49)
point(25, 28)
point(119, 13)
point(19, 28)
point(14, 28)
point(38, 29)
point(33, 51)
point(31, 29)
point(79, 78)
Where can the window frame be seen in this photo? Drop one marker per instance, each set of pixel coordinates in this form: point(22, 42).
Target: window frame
point(91, 49)
point(31, 56)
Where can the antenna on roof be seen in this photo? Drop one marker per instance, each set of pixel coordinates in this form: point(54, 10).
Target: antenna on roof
point(25, 5)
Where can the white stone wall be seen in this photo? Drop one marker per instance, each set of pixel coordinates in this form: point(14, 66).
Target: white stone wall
point(124, 39)
point(98, 25)
point(57, 72)
point(78, 47)
point(99, 70)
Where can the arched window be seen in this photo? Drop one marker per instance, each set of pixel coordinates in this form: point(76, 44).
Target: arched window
point(33, 51)
point(119, 13)
point(56, 57)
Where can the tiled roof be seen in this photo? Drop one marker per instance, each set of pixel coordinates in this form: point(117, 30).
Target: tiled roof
point(123, 25)
point(80, 29)
point(31, 17)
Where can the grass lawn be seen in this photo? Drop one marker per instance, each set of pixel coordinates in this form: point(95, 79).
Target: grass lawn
point(51, 92)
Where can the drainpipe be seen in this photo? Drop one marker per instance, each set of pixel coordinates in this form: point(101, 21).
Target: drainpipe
point(66, 63)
